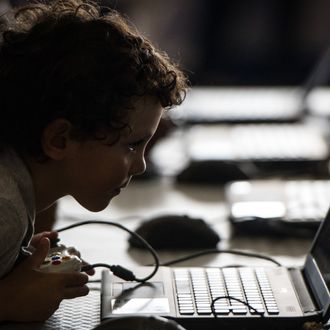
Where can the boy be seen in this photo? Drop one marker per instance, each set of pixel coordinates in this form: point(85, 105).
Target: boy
point(81, 95)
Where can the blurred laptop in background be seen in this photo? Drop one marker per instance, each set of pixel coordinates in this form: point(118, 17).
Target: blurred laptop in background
point(255, 133)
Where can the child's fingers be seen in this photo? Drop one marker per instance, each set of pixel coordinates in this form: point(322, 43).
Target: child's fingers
point(40, 253)
point(90, 271)
point(52, 235)
point(73, 292)
point(74, 279)
point(49, 234)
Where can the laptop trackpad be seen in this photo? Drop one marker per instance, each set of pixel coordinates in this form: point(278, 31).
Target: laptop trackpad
point(136, 298)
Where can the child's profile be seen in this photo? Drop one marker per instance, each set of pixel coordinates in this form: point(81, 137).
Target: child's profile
point(82, 93)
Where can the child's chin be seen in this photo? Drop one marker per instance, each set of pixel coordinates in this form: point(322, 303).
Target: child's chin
point(96, 207)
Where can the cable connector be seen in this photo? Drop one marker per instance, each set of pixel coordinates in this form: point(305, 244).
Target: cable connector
point(119, 271)
point(122, 273)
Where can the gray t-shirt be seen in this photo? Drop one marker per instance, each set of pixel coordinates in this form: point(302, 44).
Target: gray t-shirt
point(17, 209)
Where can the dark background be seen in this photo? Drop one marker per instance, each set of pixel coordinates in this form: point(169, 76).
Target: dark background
point(235, 42)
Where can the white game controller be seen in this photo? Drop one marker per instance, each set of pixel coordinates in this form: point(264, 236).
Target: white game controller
point(62, 259)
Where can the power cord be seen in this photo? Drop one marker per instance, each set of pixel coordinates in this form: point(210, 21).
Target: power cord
point(118, 270)
point(229, 251)
point(128, 275)
point(213, 308)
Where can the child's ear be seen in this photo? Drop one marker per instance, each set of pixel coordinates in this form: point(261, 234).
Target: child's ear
point(55, 138)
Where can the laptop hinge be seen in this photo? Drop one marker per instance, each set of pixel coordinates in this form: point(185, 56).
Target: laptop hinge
point(304, 294)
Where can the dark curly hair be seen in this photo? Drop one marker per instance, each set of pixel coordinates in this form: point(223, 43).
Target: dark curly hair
point(70, 59)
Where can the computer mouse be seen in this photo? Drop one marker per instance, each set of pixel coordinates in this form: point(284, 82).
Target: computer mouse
point(211, 171)
point(176, 232)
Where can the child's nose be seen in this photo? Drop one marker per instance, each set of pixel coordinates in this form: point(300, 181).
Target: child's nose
point(139, 165)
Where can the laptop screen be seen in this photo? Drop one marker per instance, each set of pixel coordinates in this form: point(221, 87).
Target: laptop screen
point(317, 267)
point(321, 252)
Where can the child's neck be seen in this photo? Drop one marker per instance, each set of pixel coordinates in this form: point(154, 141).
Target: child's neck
point(46, 183)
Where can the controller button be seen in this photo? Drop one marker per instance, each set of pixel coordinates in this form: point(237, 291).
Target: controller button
point(66, 258)
point(56, 262)
point(56, 257)
point(54, 254)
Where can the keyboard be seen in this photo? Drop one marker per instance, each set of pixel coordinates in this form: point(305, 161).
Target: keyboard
point(307, 201)
point(256, 142)
point(290, 207)
point(240, 105)
point(223, 153)
point(196, 288)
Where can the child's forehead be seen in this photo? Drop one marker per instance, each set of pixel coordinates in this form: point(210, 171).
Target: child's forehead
point(144, 119)
point(145, 112)
point(138, 130)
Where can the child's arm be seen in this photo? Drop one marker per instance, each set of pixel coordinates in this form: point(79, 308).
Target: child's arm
point(28, 294)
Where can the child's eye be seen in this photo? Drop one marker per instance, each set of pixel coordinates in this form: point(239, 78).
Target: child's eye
point(133, 146)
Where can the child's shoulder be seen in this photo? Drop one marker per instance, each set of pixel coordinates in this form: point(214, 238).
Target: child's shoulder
point(7, 180)
point(16, 203)
point(15, 181)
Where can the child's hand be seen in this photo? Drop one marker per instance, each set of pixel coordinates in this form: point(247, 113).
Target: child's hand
point(51, 235)
point(90, 271)
point(28, 294)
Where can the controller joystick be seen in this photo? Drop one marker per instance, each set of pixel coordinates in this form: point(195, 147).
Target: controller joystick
point(62, 259)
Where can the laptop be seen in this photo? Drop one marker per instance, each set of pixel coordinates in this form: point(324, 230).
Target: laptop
point(232, 105)
point(271, 207)
point(274, 297)
point(215, 104)
point(256, 150)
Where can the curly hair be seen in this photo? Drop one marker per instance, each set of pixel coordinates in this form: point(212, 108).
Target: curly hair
point(70, 59)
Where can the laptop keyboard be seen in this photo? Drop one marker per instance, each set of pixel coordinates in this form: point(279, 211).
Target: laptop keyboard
point(259, 142)
point(196, 288)
point(207, 104)
point(307, 200)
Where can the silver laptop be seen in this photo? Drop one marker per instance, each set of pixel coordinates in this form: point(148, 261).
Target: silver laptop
point(253, 151)
point(243, 297)
point(255, 104)
point(285, 207)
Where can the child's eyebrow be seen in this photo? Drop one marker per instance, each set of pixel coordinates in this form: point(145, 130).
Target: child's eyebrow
point(141, 137)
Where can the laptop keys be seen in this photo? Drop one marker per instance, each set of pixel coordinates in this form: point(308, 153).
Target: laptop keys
point(249, 289)
point(184, 292)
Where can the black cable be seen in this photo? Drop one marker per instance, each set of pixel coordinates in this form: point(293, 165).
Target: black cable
point(236, 299)
point(129, 276)
point(116, 269)
point(127, 217)
point(210, 251)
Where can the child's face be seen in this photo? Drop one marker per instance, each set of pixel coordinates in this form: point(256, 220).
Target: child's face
point(97, 172)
